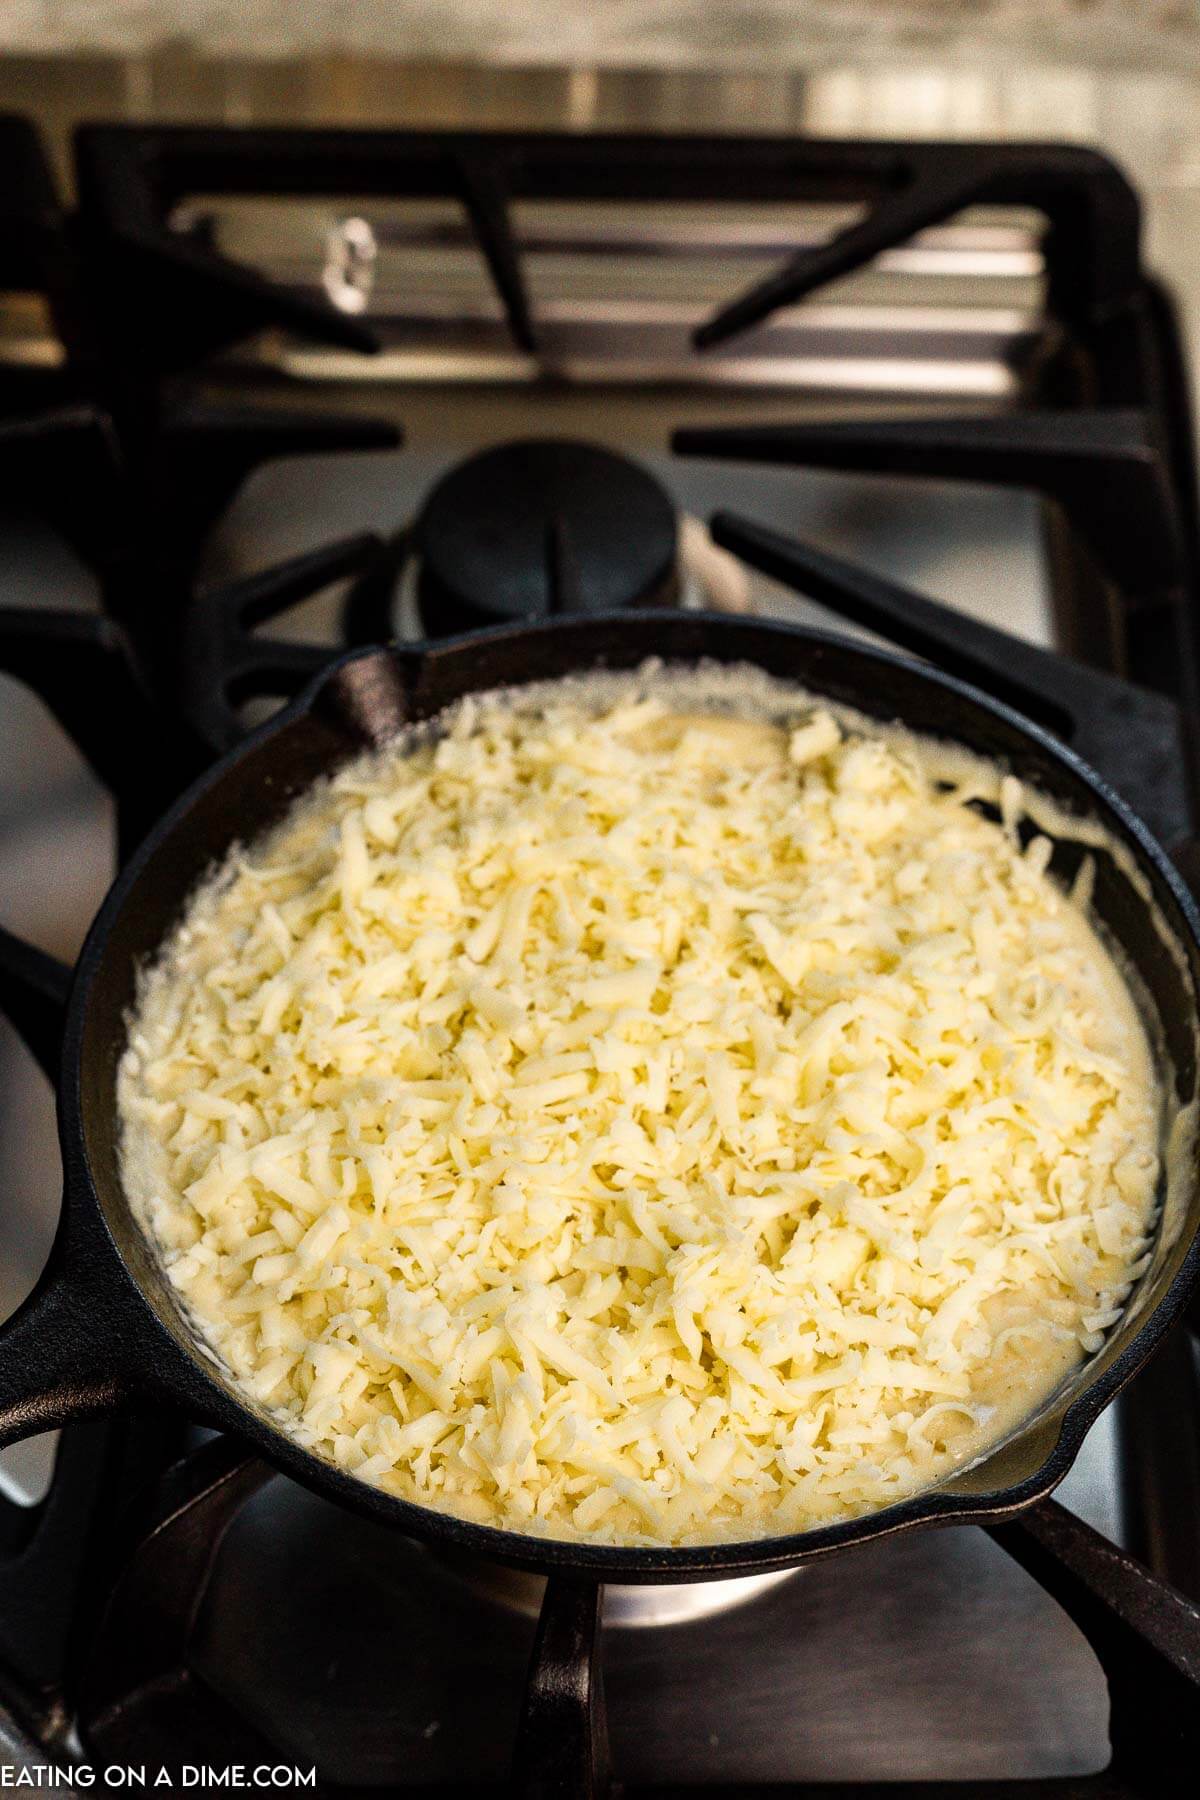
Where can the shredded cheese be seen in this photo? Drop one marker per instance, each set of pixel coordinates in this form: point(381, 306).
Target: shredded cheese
point(643, 1122)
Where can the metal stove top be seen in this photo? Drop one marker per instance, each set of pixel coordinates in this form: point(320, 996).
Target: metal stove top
point(935, 1658)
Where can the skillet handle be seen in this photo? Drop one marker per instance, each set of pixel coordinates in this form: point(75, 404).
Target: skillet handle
point(68, 1352)
point(61, 1355)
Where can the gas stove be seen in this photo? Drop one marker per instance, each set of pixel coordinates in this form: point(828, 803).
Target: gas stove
point(267, 394)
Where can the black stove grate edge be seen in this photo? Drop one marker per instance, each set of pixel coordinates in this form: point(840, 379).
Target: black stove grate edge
point(132, 176)
point(130, 315)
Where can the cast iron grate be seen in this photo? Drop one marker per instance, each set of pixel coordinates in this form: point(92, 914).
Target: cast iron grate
point(101, 1585)
point(133, 319)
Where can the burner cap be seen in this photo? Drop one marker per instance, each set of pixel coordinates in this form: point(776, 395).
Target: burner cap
point(540, 526)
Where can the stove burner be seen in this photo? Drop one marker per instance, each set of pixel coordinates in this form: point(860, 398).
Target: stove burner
point(626, 1607)
point(539, 526)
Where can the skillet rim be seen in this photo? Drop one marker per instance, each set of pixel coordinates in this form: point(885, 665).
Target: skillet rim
point(190, 1380)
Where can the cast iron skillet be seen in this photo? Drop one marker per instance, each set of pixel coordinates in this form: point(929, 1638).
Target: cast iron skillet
point(102, 1329)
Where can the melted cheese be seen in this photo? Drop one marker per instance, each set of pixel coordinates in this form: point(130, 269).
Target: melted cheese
point(644, 1123)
